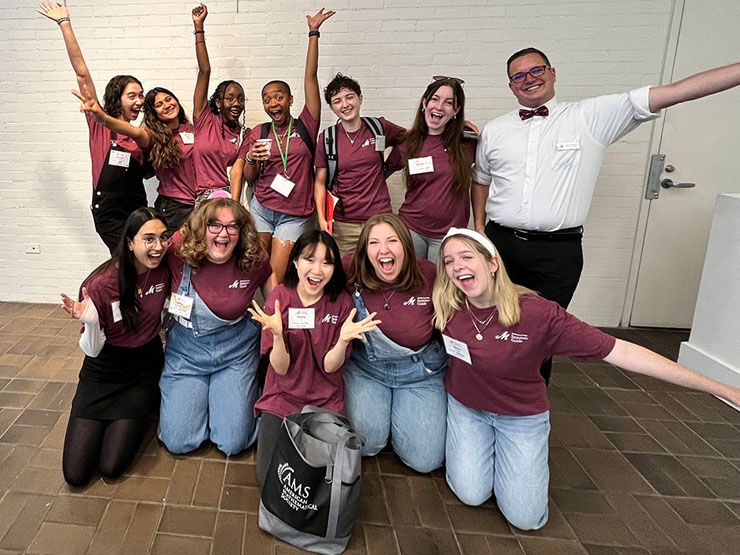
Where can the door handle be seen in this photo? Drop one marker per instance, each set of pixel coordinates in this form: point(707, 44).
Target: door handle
point(670, 184)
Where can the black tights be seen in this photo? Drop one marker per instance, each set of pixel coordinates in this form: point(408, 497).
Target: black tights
point(106, 445)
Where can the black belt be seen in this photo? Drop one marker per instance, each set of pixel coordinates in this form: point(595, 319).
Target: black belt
point(569, 234)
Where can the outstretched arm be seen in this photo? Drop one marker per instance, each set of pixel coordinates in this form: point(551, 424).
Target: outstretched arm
point(91, 106)
point(643, 361)
point(311, 79)
point(697, 86)
point(200, 96)
point(58, 13)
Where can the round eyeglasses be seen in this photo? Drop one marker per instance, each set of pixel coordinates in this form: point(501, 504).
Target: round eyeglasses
point(150, 241)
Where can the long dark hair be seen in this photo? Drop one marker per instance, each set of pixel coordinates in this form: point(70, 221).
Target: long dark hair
point(123, 260)
point(452, 136)
point(113, 92)
point(218, 95)
point(165, 152)
point(308, 242)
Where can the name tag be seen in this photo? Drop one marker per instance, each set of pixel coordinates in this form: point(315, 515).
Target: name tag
point(115, 308)
point(570, 145)
point(456, 349)
point(119, 158)
point(380, 143)
point(187, 138)
point(301, 318)
point(282, 185)
point(181, 305)
point(421, 165)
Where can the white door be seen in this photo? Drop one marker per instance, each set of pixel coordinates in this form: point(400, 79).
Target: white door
point(701, 140)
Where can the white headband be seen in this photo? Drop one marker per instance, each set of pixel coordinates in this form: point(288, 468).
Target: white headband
point(482, 239)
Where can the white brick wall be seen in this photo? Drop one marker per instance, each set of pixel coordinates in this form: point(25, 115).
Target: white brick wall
point(391, 46)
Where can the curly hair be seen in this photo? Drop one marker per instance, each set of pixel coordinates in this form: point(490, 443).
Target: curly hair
point(338, 83)
point(361, 270)
point(113, 93)
point(452, 136)
point(165, 152)
point(194, 249)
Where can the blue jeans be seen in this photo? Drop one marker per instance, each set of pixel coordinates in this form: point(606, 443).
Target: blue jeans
point(392, 390)
point(282, 226)
point(507, 455)
point(426, 247)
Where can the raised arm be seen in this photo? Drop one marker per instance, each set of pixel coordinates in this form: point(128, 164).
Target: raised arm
point(200, 95)
point(90, 105)
point(58, 13)
point(643, 361)
point(697, 86)
point(311, 79)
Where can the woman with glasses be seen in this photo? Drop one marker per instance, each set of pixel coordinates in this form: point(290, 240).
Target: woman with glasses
point(120, 308)
point(436, 160)
point(209, 382)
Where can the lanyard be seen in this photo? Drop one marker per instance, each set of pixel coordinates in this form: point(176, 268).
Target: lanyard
point(283, 157)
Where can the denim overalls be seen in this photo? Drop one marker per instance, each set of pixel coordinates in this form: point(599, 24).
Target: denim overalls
point(209, 382)
point(393, 389)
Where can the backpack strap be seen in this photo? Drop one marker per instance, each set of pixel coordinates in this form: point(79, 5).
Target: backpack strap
point(303, 133)
point(330, 148)
point(376, 127)
point(264, 132)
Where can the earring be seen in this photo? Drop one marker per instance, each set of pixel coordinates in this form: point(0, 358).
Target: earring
point(422, 109)
point(454, 117)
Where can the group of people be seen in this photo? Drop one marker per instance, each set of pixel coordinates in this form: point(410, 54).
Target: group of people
point(409, 323)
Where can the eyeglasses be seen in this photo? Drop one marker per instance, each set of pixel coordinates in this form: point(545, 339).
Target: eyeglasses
point(150, 241)
point(215, 228)
point(443, 77)
point(536, 71)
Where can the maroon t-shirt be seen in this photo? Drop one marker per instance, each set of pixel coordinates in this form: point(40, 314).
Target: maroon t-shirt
point(300, 168)
point(408, 321)
point(360, 183)
point(100, 143)
point(430, 207)
point(504, 377)
point(178, 183)
point(306, 382)
point(224, 288)
point(216, 147)
point(152, 289)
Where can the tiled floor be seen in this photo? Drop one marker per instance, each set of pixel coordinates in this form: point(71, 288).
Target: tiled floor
point(637, 467)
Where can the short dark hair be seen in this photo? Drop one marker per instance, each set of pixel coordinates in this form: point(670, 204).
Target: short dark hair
point(276, 82)
point(338, 83)
point(524, 52)
point(308, 242)
point(113, 92)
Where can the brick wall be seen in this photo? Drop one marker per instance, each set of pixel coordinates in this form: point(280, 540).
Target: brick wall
point(392, 47)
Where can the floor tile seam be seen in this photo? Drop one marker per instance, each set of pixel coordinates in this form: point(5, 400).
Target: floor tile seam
point(626, 460)
point(178, 535)
point(718, 455)
point(396, 542)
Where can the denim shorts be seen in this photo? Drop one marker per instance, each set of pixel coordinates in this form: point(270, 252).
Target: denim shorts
point(282, 226)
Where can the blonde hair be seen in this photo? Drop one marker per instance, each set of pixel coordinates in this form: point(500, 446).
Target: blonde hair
point(448, 299)
point(194, 249)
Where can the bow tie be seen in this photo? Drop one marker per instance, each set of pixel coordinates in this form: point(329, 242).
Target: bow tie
point(526, 114)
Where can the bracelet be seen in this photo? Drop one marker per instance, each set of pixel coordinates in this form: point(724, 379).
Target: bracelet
point(250, 161)
point(314, 34)
point(62, 20)
point(200, 42)
point(199, 32)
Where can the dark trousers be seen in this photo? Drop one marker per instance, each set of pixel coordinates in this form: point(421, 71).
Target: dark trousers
point(175, 213)
point(550, 267)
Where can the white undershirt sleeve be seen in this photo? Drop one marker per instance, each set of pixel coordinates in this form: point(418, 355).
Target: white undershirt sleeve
point(92, 338)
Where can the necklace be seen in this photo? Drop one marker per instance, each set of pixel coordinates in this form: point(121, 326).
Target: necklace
point(140, 291)
point(387, 304)
point(484, 323)
point(351, 140)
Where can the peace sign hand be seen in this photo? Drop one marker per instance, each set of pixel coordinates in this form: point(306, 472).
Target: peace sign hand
point(315, 21)
point(90, 105)
point(355, 330)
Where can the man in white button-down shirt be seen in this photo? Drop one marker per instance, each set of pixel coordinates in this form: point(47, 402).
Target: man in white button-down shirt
point(536, 167)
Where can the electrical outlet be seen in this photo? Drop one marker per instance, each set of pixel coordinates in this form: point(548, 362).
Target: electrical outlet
point(33, 248)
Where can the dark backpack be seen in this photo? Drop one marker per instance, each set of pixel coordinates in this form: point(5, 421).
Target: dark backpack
point(302, 131)
point(330, 147)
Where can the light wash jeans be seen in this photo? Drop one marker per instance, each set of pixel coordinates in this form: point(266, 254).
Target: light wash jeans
point(489, 453)
point(426, 247)
point(209, 381)
point(393, 390)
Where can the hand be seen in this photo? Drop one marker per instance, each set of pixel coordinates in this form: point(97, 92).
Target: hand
point(355, 330)
point(53, 11)
point(199, 15)
point(315, 21)
point(259, 151)
point(470, 125)
point(481, 229)
point(90, 105)
point(272, 322)
point(74, 308)
point(323, 224)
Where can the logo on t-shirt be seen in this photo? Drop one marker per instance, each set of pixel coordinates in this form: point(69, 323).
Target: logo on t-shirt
point(417, 301)
point(330, 319)
point(154, 289)
point(240, 284)
point(368, 142)
point(515, 337)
